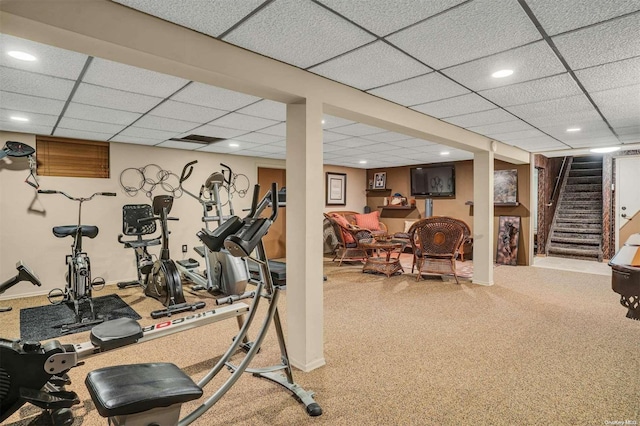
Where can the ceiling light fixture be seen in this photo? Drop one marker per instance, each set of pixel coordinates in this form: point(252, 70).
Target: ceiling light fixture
point(23, 56)
point(16, 118)
point(574, 129)
point(363, 161)
point(234, 145)
point(605, 150)
point(502, 73)
point(323, 121)
point(444, 153)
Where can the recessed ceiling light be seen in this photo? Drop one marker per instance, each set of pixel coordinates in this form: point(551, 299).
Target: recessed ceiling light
point(23, 56)
point(234, 145)
point(17, 118)
point(323, 121)
point(363, 161)
point(502, 73)
point(573, 129)
point(444, 153)
point(605, 150)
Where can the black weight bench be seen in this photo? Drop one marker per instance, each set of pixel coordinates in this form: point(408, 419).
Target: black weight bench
point(141, 394)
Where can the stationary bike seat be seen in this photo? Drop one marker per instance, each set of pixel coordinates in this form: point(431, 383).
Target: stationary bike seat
point(70, 230)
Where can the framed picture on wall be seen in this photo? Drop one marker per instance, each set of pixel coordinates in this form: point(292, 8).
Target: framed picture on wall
point(508, 236)
point(380, 180)
point(505, 186)
point(336, 187)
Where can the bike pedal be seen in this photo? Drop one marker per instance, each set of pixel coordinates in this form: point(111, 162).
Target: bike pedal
point(49, 400)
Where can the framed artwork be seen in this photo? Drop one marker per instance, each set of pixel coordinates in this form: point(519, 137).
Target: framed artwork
point(505, 186)
point(508, 236)
point(336, 187)
point(380, 180)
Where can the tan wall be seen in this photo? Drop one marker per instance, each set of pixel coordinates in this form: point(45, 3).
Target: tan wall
point(356, 185)
point(398, 181)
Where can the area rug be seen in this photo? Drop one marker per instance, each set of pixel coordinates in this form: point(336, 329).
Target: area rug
point(47, 322)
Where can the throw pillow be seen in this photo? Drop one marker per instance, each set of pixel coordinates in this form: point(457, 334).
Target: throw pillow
point(370, 221)
point(342, 221)
point(407, 225)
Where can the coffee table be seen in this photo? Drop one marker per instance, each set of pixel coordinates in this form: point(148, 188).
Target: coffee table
point(383, 264)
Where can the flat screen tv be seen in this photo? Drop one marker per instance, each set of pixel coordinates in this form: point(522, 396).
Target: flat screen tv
point(433, 181)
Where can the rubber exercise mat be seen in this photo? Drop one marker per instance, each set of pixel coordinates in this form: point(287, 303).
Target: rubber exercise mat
point(46, 322)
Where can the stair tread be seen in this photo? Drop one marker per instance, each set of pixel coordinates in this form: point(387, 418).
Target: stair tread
point(573, 250)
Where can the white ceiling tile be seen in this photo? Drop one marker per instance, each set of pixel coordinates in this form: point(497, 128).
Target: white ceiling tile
point(276, 156)
point(28, 83)
point(238, 121)
point(589, 128)
point(136, 140)
point(197, 14)
point(560, 16)
point(270, 149)
point(358, 129)
point(387, 137)
point(277, 130)
point(473, 30)
point(551, 107)
point(115, 99)
point(281, 31)
point(218, 148)
point(514, 136)
point(379, 147)
point(215, 131)
point(225, 146)
point(628, 131)
point(252, 153)
point(619, 104)
point(327, 147)
point(139, 132)
point(328, 136)
point(187, 112)
point(213, 97)
point(266, 109)
point(419, 90)
point(559, 86)
point(34, 118)
point(491, 116)
point(90, 126)
point(119, 76)
point(166, 124)
point(371, 66)
point(383, 17)
point(81, 134)
point(353, 143)
point(50, 60)
point(458, 105)
point(508, 126)
point(538, 144)
point(348, 152)
point(413, 143)
point(104, 115)
point(17, 102)
point(602, 43)
point(330, 122)
point(611, 75)
point(528, 62)
point(14, 126)
point(593, 142)
point(180, 145)
point(258, 138)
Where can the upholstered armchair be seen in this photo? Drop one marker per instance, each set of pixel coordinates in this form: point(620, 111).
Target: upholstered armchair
point(436, 243)
point(348, 236)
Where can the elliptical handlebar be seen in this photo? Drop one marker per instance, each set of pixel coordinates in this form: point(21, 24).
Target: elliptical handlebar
point(227, 179)
point(186, 173)
point(274, 204)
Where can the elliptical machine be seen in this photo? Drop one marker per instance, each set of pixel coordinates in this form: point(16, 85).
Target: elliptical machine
point(163, 282)
point(223, 274)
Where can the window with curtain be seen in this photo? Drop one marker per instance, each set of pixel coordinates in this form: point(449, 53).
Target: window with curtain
point(72, 157)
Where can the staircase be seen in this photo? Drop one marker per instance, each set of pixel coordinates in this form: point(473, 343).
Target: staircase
point(576, 231)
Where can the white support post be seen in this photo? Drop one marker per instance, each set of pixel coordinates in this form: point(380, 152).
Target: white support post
point(305, 186)
point(483, 218)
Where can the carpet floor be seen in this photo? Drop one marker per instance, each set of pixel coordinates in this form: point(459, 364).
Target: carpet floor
point(540, 346)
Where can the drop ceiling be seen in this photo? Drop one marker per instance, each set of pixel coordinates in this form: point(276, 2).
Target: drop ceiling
point(576, 64)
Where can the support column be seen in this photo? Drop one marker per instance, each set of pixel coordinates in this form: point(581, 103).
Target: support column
point(483, 218)
point(305, 180)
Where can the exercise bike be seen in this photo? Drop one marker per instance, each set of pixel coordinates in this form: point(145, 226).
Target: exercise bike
point(223, 274)
point(24, 274)
point(79, 284)
point(163, 281)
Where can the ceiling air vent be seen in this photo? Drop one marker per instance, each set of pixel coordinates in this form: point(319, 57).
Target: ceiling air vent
point(204, 140)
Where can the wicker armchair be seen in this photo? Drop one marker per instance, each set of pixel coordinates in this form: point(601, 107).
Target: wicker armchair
point(349, 236)
point(436, 243)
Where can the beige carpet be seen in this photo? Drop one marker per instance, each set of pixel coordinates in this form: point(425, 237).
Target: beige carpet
point(541, 346)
